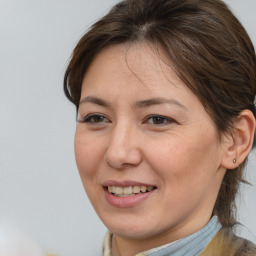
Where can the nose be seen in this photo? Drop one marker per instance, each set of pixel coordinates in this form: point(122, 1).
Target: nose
point(123, 148)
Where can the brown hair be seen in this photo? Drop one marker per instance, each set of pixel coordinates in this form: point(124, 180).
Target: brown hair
point(209, 48)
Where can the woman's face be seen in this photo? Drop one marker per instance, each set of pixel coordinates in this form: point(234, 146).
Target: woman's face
point(146, 138)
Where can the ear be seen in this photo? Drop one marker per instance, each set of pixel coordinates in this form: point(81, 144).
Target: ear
point(238, 146)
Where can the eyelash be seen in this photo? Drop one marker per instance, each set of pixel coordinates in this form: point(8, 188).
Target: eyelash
point(163, 120)
point(88, 119)
point(166, 120)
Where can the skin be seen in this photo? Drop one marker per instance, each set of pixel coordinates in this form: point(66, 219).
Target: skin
point(180, 154)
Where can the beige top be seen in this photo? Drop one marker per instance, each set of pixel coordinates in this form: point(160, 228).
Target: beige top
point(224, 243)
point(107, 246)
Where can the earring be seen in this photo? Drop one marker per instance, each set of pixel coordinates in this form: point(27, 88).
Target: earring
point(234, 161)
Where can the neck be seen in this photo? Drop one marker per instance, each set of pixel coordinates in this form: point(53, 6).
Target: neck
point(129, 247)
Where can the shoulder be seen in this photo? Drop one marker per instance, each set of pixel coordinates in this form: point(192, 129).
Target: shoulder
point(228, 244)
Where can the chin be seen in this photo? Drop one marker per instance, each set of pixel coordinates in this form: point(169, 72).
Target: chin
point(132, 229)
point(131, 233)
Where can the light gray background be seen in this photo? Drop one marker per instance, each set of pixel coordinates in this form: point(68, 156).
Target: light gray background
point(40, 189)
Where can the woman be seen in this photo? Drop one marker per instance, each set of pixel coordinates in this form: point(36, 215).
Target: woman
point(165, 94)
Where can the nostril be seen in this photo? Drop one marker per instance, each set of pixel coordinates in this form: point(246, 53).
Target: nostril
point(113, 163)
point(119, 161)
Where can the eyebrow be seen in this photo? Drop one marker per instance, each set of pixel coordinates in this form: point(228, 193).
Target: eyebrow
point(158, 101)
point(94, 100)
point(137, 104)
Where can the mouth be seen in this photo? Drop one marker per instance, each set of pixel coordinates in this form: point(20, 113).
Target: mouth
point(129, 190)
point(127, 193)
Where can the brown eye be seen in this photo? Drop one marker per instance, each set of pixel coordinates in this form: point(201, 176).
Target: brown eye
point(158, 120)
point(95, 118)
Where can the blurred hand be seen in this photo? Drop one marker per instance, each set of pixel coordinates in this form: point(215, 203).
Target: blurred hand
point(14, 243)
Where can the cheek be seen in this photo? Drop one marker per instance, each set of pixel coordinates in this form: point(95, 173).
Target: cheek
point(88, 154)
point(184, 162)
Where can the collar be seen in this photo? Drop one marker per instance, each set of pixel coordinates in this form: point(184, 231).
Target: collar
point(192, 245)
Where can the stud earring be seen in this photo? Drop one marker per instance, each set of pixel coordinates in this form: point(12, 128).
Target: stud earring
point(234, 161)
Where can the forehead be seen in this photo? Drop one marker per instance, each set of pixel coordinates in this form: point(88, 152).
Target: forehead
point(125, 65)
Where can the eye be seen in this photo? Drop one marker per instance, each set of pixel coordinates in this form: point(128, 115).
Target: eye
point(158, 120)
point(94, 119)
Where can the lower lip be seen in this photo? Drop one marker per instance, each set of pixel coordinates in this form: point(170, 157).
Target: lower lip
point(129, 201)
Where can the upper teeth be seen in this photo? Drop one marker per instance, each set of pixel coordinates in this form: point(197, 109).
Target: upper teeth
point(131, 190)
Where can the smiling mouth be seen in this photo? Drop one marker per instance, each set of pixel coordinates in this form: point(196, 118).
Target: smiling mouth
point(129, 191)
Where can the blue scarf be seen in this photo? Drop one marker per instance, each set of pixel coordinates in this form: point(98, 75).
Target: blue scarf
point(191, 245)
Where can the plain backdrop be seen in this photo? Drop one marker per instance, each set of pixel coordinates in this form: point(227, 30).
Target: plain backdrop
point(41, 194)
